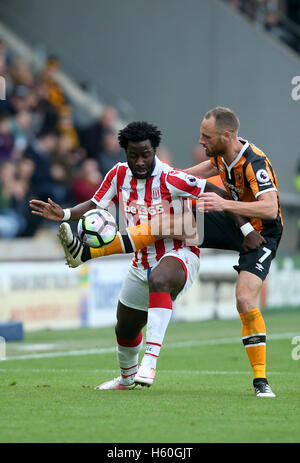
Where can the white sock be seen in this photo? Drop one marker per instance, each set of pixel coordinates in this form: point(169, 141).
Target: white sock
point(128, 357)
point(159, 315)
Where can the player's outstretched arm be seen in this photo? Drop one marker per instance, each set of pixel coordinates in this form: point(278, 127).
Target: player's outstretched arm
point(53, 211)
point(205, 170)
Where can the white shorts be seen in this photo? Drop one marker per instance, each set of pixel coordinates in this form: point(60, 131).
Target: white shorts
point(135, 289)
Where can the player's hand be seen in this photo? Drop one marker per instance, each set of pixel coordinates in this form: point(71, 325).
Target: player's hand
point(208, 202)
point(253, 240)
point(49, 210)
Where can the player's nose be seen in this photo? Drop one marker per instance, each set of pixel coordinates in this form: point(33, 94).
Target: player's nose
point(140, 162)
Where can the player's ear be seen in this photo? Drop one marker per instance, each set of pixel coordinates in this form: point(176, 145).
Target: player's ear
point(226, 136)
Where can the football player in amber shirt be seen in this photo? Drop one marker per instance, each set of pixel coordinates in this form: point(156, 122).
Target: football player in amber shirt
point(251, 184)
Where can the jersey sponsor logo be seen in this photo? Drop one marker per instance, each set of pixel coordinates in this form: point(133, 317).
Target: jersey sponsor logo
point(143, 210)
point(233, 187)
point(262, 176)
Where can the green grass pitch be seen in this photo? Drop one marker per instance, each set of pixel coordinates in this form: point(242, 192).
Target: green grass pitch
point(202, 392)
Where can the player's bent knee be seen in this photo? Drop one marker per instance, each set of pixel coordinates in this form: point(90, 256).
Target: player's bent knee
point(127, 332)
point(244, 303)
point(159, 283)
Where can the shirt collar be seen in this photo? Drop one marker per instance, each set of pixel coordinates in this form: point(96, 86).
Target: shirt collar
point(236, 160)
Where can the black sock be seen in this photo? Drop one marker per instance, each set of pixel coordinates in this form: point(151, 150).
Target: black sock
point(86, 253)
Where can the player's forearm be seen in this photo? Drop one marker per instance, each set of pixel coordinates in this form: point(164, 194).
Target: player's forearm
point(259, 209)
point(80, 209)
point(204, 169)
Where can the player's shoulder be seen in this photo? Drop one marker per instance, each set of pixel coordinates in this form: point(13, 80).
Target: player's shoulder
point(257, 165)
point(117, 169)
point(182, 175)
point(253, 154)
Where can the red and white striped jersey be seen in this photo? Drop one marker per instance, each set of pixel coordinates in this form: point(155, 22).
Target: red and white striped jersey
point(139, 199)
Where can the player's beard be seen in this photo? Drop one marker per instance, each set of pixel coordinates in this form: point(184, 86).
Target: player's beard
point(214, 152)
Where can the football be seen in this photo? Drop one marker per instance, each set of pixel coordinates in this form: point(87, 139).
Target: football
point(97, 228)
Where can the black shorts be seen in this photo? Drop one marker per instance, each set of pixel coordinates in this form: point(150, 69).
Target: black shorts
point(220, 232)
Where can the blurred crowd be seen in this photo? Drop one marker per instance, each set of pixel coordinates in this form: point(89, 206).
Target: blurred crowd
point(279, 17)
point(43, 152)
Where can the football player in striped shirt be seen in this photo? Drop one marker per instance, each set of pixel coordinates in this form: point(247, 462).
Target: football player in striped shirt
point(159, 272)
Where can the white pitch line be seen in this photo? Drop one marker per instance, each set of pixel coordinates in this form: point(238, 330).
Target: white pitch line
point(182, 372)
point(106, 350)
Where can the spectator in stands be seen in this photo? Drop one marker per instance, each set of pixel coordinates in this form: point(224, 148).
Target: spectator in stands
point(65, 126)
point(274, 25)
point(12, 194)
point(21, 125)
point(21, 74)
point(87, 182)
point(274, 16)
point(24, 170)
point(67, 155)
point(6, 138)
point(19, 98)
point(53, 91)
point(91, 137)
point(40, 150)
point(60, 179)
point(111, 152)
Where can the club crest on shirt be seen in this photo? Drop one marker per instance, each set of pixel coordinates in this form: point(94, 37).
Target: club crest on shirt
point(234, 195)
point(262, 176)
point(156, 193)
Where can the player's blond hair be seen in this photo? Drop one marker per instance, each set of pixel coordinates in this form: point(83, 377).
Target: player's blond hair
point(225, 119)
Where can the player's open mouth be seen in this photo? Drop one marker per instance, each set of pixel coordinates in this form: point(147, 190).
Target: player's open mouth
point(141, 172)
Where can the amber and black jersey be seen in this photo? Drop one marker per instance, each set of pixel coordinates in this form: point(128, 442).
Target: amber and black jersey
point(246, 178)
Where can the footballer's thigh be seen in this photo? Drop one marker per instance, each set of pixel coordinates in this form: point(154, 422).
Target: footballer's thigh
point(168, 276)
point(175, 272)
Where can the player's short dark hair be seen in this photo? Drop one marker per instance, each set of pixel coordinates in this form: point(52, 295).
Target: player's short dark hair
point(139, 131)
point(225, 119)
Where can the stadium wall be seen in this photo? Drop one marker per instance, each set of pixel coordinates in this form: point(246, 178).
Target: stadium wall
point(48, 295)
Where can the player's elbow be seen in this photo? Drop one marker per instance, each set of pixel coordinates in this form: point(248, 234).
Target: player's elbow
point(272, 212)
